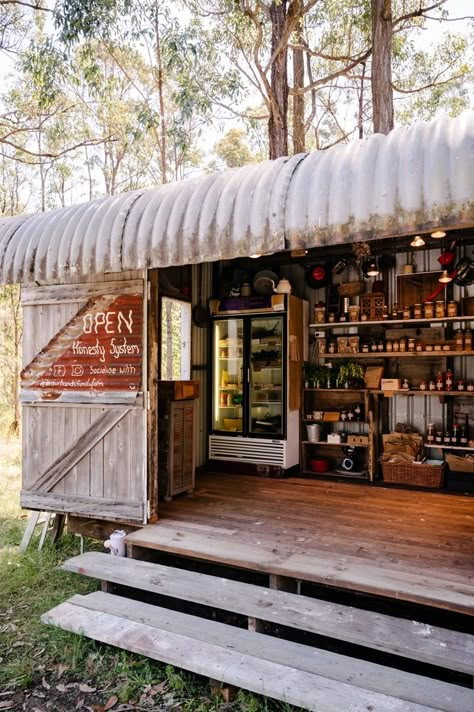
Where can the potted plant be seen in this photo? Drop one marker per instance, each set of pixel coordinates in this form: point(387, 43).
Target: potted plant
point(351, 375)
point(315, 375)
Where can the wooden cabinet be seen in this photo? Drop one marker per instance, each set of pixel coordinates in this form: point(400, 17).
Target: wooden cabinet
point(344, 423)
point(176, 452)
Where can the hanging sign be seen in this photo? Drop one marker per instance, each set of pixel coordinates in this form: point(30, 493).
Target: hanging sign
point(97, 355)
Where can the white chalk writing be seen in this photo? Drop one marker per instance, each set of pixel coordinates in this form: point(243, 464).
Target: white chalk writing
point(111, 322)
point(123, 349)
point(97, 349)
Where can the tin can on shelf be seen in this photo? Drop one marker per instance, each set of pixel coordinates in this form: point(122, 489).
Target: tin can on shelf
point(428, 310)
point(417, 311)
point(452, 309)
point(440, 311)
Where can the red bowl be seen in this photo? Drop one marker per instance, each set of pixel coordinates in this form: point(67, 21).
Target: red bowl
point(319, 465)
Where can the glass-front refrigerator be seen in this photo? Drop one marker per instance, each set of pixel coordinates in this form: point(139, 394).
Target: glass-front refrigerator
point(228, 376)
point(249, 376)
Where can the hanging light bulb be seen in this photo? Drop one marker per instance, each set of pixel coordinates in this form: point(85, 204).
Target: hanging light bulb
point(417, 241)
point(445, 278)
point(438, 234)
point(372, 269)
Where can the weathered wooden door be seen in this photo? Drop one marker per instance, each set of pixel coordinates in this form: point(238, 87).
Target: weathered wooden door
point(84, 410)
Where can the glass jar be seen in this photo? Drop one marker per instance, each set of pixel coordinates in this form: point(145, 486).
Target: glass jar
point(332, 347)
point(406, 384)
point(402, 344)
point(411, 344)
point(331, 318)
point(440, 310)
point(460, 385)
point(439, 381)
point(373, 346)
point(429, 347)
point(428, 310)
point(417, 311)
point(418, 346)
point(354, 312)
point(396, 345)
point(319, 314)
point(432, 386)
point(322, 346)
point(389, 345)
point(422, 385)
point(452, 309)
point(365, 348)
point(459, 337)
point(380, 346)
point(407, 312)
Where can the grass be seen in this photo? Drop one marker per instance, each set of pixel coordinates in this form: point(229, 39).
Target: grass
point(41, 664)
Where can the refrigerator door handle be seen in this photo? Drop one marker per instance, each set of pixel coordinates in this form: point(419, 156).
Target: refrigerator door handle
point(248, 375)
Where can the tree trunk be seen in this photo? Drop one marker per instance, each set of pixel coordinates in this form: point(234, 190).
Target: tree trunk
point(360, 117)
point(298, 99)
point(159, 74)
point(278, 121)
point(382, 92)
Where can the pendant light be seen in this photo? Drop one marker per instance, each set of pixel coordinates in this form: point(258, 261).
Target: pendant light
point(417, 241)
point(445, 278)
point(438, 234)
point(372, 269)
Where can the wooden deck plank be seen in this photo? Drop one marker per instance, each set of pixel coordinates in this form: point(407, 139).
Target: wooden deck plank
point(341, 571)
point(316, 680)
point(438, 646)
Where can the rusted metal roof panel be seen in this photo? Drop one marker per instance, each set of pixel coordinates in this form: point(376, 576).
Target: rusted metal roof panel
point(412, 180)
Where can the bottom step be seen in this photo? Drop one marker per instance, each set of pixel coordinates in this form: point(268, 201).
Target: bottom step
point(296, 674)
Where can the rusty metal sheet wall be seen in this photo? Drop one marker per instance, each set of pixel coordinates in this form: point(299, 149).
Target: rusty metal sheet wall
point(414, 179)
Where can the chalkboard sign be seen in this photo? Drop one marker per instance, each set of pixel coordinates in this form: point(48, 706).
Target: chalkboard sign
point(97, 355)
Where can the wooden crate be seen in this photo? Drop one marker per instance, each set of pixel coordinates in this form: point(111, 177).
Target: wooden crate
point(178, 390)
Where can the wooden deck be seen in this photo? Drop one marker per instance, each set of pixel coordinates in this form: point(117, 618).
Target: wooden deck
point(404, 544)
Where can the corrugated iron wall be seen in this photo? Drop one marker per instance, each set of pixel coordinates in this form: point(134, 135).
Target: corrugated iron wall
point(200, 370)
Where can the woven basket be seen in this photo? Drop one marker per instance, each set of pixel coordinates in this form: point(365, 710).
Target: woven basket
point(351, 289)
point(418, 475)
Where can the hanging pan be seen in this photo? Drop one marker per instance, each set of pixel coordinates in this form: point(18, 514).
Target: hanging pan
point(200, 313)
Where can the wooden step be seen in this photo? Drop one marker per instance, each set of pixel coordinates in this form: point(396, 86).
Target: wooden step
point(409, 639)
point(316, 679)
point(348, 572)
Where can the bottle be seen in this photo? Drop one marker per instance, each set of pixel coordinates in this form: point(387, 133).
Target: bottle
point(411, 344)
point(358, 412)
point(447, 437)
point(406, 384)
point(467, 340)
point(455, 434)
point(430, 434)
point(449, 379)
point(439, 381)
point(464, 436)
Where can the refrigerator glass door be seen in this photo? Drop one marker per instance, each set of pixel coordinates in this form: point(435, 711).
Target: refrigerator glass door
point(266, 387)
point(228, 362)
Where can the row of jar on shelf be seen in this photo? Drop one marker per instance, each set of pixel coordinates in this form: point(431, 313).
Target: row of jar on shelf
point(442, 381)
point(457, 435)
point(352, 344)
point(352, 312)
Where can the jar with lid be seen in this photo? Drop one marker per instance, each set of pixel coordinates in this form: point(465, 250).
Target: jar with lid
point(440, 310)
point(449, 380)
point(402, 344)
point(331, 317)
point(460, 385)
point(468, 340)
point(406, 384)
point(470, 387)
point(422, 385)
point(428, 310)
point(365, 348)
point(418, 346)
point(396, 345)
point(432, 385)
point(430, 434)
point(380, 345)
point(373, 346)
point(411, 344)
point(407, 312)
point(358, 412)
point(350, 414)
point(459, 337)
point(389, 345)
point(417, 311)
point(452, 309)
point(332, 347)
point(394, 312)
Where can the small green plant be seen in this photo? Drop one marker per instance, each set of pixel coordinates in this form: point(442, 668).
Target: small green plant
point(316, 375)
point(351, 375)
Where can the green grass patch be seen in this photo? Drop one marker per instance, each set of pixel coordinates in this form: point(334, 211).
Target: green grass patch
point(50, 664)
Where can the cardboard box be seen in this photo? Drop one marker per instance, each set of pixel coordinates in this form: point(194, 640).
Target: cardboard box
point(460, 464)
point(357, 439)
point(334, 438)
point(391, 384)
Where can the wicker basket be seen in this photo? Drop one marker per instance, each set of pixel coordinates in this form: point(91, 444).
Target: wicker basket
point(418, 475)
point(351, 289)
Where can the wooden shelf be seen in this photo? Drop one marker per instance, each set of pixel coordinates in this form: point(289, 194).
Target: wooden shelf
point(324, 442)
point(426, 393)
point(394, 355)
point(333, 473)
point(338, 390)
point(449, 447)
point(389, 322)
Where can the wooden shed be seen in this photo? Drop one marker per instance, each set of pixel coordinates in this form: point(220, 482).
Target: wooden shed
point(102, 418)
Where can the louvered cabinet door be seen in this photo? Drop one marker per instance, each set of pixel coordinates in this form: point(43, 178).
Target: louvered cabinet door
point(181, 447)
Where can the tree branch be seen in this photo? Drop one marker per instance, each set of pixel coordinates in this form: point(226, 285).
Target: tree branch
point(418, 13)
point(54, 156)
point(33, 6)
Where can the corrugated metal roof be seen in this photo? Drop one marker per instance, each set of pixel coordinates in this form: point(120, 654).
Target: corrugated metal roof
point(409, 181)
